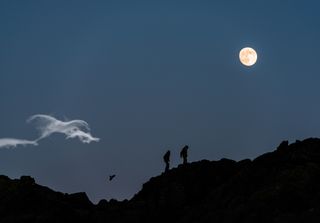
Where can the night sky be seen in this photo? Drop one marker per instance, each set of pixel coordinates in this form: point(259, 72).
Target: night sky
point(151, 76)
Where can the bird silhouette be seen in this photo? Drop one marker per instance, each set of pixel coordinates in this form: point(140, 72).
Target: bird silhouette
point(111, 177)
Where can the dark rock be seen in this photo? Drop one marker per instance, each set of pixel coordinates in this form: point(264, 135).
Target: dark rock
point(283, 145)
point(27, 180)
point(79, 200)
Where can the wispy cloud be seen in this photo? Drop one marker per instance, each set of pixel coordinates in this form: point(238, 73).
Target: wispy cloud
point(48, 125)
point(11, 143)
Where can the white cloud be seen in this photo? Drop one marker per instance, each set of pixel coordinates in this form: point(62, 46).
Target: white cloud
point(84, 137)
point(48, 125)
point(11, 143)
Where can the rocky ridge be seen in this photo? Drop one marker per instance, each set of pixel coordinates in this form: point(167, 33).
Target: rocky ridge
point(280, 186)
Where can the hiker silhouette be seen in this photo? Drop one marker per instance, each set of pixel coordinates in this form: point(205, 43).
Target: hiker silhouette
point(184, 154)
point(166, 159)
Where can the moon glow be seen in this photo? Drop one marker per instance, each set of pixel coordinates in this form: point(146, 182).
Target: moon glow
point(248, 56)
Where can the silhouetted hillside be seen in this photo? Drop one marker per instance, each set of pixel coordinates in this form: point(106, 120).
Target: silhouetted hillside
point(281, 186)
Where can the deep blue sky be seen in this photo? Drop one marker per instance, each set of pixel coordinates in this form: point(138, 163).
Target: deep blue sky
point(151, 76)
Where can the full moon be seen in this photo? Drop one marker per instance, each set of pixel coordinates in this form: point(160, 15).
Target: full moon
point(248, 56)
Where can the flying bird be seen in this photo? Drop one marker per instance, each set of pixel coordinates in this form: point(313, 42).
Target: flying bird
point(111, 177)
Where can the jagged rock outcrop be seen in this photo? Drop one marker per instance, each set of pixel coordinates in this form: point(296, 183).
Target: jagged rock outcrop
point(280, 186)
point(24, 201)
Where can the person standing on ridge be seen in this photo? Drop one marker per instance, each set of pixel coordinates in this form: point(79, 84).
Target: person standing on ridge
point(184, 154)
point(166, 159)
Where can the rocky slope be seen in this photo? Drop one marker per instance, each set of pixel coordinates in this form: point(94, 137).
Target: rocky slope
point(281, 186)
